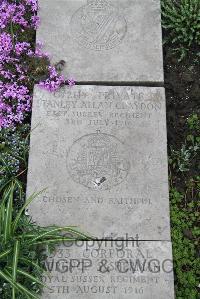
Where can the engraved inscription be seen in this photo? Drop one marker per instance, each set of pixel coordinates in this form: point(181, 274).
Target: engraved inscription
point(117, 108)
point(98, 161)
point(98, 26)
point(108, 269)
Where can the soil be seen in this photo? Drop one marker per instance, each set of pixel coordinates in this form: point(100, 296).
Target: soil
point(182, 84)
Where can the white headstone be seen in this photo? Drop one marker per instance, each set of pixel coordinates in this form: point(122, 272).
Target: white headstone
point(104, 40)
point(101, 152)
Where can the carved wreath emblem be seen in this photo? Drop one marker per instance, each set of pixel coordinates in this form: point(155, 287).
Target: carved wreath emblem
point(98, 161)
point(98, 25)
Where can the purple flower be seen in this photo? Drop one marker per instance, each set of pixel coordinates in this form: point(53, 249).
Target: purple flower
point(6, 11)
point(39, 52)
point(71, 82)
point(15, 93)
point(33, 4)
point(17, 13)
point(35, 21)
point(14, 102)
point(6, 45)
point(54, 81)
point(21, 47)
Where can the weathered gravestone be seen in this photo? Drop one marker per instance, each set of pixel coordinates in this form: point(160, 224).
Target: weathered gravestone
point(104, 269)
point(101, 151)
point(115, 40)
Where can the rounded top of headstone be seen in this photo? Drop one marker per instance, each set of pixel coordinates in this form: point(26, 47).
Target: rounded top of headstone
point(98, 4)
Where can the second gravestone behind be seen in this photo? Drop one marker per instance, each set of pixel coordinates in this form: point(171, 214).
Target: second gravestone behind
point(104, 40)
point(102, 154)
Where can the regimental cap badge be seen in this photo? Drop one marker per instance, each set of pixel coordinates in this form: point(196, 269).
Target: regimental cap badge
point(98, 25)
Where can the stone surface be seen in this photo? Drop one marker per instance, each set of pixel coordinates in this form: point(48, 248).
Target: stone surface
point(115, 270)
point(114, 40)
point(101, 152)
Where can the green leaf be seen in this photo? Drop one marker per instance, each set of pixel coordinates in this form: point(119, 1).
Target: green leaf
point(29, 200)
point(32, 278)
point(31, 263)
point(49, 232)
point(54, 241)
point(19, 287)
point(8, 217)
point(5, 253)
point(9, 280)
point(14, 266)
point(2, 217)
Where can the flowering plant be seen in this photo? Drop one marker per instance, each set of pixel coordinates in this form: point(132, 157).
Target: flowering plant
point(22, 63)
